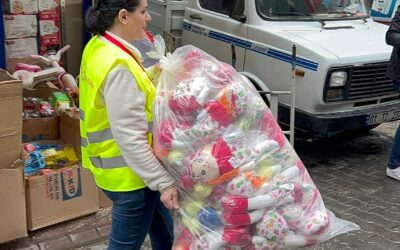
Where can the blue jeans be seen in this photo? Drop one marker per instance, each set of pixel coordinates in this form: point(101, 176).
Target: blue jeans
point(136, 213)
point(394, 156)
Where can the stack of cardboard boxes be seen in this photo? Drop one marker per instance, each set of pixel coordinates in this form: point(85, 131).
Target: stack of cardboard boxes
point(12, 195)
point(31, 27)
point(30, 203)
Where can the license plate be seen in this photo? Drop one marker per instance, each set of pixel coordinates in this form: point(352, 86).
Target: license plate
point(382, 117)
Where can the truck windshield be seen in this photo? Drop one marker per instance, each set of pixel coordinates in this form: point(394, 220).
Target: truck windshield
point(320, 9)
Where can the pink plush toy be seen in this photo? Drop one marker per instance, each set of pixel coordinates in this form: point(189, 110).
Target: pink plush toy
point(315, 222)
point(189, 96)
point(182, 136)
point(220, 159)
point(250, 183)
point(224, 74)
point(168, 131)
point(270, 231)
point(230, 101)
point(242, 219)
point(273, 232)
point(282, 195)
point(270, 127)
point(215, 240)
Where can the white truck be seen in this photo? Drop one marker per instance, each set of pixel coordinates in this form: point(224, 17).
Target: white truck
point(341, 54)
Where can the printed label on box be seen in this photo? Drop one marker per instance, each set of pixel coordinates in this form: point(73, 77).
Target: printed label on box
point(20, 48)
point(49, 9)
point(23, 7)
point(50, 32)
point(71, 184)
point(52, 187)
point(20, 26)
point(48, 4)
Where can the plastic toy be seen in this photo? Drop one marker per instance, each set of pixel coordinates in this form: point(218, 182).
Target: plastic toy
point(222, 159)
point(34, 163)
point(31, 75)
point(61, 157)
point(60, 101)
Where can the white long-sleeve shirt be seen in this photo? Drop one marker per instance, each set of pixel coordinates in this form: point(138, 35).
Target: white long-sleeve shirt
point(125, 105)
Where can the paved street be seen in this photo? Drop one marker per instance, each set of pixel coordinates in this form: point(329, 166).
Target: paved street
point(350, 174)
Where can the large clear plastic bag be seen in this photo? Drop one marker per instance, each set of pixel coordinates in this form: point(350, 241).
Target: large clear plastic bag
point(242, 185)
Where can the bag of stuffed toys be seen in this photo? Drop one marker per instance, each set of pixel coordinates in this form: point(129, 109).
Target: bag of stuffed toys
point(242, 185)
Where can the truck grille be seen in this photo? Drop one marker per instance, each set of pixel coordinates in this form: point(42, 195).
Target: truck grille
point(369, 81)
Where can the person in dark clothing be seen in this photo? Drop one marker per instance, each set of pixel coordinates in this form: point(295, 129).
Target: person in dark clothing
point(393, 71)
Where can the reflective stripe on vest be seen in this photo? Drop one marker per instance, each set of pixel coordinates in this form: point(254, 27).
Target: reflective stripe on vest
point(107, 163)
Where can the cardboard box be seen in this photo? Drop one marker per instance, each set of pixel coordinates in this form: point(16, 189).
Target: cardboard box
point(10, 148)
point(63, 195)
point(45, 128)
point(21, 6)
point(20, 48)
point(20, 26)
point(12, 205)
point(49, 9)
point(70, 131)
point(11, 123)
point(37, 129)
point(49, 32)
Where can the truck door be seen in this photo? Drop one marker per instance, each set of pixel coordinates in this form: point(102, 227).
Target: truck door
point(207, 25)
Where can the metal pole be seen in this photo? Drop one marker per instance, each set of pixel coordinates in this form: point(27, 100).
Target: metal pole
point(293, 91)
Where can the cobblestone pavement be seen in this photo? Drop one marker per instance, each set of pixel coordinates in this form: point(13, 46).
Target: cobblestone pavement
point(350, 174)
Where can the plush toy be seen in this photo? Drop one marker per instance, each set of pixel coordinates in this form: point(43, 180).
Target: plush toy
point(282, 195)
point(233, 219)
point(270, 231)
point(220, 159)
point(189, 96)
point(229, 102)
point(273, 232)
point(250, 182)
point(218, 239)
point(315, 222)
point(270, 127)
point(224, 74)
point(183, 239)
point(210, 218)
point(174, 135)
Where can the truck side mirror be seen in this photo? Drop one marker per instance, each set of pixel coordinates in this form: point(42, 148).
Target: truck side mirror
point(237, 11)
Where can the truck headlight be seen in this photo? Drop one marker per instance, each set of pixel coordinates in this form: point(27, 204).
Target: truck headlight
point(338, 79)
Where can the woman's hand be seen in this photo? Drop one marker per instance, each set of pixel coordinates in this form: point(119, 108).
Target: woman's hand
point(170, 198)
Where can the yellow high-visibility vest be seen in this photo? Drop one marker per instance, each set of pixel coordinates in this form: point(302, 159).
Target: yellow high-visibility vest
point(100, 152)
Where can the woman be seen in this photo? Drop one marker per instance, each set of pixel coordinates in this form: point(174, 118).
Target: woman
point(116, 96)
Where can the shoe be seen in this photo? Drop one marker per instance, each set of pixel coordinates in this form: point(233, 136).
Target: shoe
point(394, 173)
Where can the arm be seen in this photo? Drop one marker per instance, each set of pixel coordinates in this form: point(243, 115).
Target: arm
point(393, 33)
point(125, 107)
